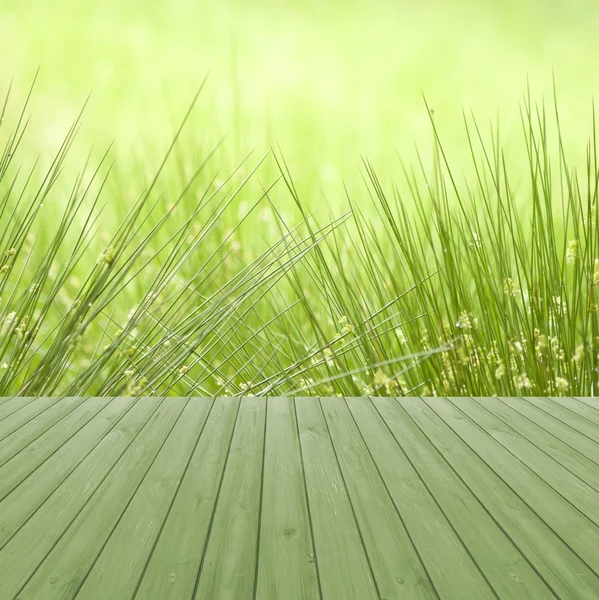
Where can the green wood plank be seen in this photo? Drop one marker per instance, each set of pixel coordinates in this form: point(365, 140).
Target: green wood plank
point(341, 558)
point(563, 571)
point(25, 551)
point(586, 446)
point(578, 408)
point(395, 563)
point(592, 402)
point(24, 463)
point(4, 399)
point(581, 534)
point(580, 424)
point(569, 486)
point(172, 571)
point(18, 507)
point(13, 443)
point(490, 551)
point(9, 405)
point(75, 552)
point(228, 568)
point(448, 564)
point(24, 415)
point(284, 570)
point(564, 454)
point(119, 567)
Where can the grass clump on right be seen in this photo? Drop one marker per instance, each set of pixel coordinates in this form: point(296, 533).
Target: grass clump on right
point(516, 263)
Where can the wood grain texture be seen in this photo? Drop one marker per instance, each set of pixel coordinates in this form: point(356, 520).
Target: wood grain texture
point(565, 573)
point(577, 422)
point(395, 563)
point(591, 402)
point(37, 427)
point(8, 406)
point(552, 423)
point(571, 488)
point(175, 562)
point(286, 568)
point(578, 408)
point(305, 498)
point(23, 554)
point(23, 461)
point(26, 414)
point(67, 565)
point(119, 567)
point(23, 495)
point(491, 553)
point(546, 441)
point(228, 568)
point(341, 558)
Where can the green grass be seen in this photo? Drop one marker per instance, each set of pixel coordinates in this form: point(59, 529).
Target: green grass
point(276, 244)
point(454, 289)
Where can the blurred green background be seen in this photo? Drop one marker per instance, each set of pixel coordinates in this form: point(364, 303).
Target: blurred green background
point(327, 81)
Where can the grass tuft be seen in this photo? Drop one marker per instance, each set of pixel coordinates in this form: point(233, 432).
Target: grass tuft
point(199, 283)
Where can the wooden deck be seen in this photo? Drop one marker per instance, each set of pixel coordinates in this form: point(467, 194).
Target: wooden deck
point(301, 499)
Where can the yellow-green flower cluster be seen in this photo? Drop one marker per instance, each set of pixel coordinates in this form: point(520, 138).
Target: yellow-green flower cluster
point(523, 382)
point(346, 326)
point(134, 388)
point(561, 384)
point(381, 379)
point(509, 287)
point(107, 257)
point(572, 252)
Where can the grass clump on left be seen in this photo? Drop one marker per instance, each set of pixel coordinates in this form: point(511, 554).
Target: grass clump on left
point(164, 304)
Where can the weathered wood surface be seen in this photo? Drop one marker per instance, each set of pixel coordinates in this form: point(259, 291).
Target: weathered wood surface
point(305, 498)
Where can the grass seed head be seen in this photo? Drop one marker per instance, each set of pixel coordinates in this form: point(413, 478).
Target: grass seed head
point(572, 251)
point(509, 287)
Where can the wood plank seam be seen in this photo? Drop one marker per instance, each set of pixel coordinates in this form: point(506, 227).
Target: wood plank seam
point(32, 574)
point(563, 422)
point(168, 512)
point(350, 500)
point(174, 562)
point(516, 457)
point(531, 507)
point(481, 502)
point(477, 434)
point(56, 450)
point(506, 516)
point(578, 408)
point(537, 446)
point(43, 431)
point(7, 399)
point(458, 536)
point(410, 537)
point(307, 500)
point(220, 483)
point(59, 483)
point(256, 567)
point(10, 432)
point(555, 427)
point(587, 402)
point(523, 416)
point(141, 480)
